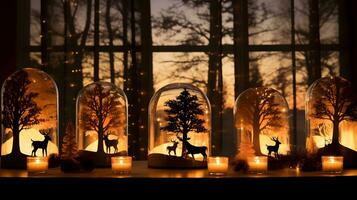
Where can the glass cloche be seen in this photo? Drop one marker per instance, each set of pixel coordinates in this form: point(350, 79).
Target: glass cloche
point(331, 119)
point(261, 120)
point(179, 127)
point(102, 122)
point(29, 117)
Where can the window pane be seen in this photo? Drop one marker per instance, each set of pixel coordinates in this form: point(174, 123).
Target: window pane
point(228, 81)
point(274, 69)
point(35, 26)
point(180, 67)
point(302, 78)
point(177, 22)
point(80, 25)
point(111, 26)
point(55, 23)
point(328, 11)
point(35, 59)
point(227, 22)
point(330, 64)
point(105, 69)
point(87, 68)
point(328, 21)
point(301, 21)
point(269, 21)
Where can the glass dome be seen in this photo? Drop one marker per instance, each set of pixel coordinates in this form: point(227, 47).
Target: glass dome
point(102, 122)
point(331, 119)
point(261, 120)
point(29, 117)
point(179, 127)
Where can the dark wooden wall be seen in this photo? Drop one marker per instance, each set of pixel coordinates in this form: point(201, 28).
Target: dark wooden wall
point(7, 39)
point(352, 15)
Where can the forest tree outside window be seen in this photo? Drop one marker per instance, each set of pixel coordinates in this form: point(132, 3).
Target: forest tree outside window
point(221, 46)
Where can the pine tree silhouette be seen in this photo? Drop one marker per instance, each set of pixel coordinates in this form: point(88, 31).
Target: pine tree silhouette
point(183, 116)
point(246, 149)
point(20, 111)
point(69, 145)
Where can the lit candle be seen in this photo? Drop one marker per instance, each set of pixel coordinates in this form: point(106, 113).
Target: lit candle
point(217, 165)
point(37, 164)
point(333, 164)
point(121, 164)
point(258, 164)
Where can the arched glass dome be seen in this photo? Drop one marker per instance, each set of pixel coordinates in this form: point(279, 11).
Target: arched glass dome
point(102, 122)
point(261, 120)
point(29, 117)
point(179, 127)
point(331, 119)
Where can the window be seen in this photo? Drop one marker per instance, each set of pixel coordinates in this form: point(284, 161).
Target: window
point(221, 46)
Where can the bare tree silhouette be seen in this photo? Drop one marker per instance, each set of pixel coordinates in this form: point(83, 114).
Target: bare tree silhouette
point(20, 111)
point(335, 102)
point(100, 112)
point(259, 110)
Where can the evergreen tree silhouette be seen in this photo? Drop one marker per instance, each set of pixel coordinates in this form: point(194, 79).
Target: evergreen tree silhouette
point(183, 116)
point(69, 145)
point(20, 111)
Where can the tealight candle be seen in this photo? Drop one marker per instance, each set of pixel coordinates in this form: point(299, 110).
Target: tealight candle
point(217, 165)
point(37, 164)
point(333, 164)
point(258, 164)
point(121, 164)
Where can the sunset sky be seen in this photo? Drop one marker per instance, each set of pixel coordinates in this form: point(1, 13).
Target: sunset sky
point(165, 63)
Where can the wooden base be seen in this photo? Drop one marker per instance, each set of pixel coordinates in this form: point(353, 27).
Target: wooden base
point(102, 183)
point(172, 162)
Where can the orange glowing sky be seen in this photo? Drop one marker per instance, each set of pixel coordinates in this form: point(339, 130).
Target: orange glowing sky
point(162, 69)
point(47, 101)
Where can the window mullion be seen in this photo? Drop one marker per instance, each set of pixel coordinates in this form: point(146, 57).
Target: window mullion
point(96, 41)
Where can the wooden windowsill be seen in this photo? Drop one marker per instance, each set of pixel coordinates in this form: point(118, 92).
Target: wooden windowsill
point(145, 179)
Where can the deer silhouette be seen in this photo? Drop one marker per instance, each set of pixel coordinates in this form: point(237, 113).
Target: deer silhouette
point(42, 144)
point(110, 143)
point(172, 148)
point(191, 149)
point(274, 148)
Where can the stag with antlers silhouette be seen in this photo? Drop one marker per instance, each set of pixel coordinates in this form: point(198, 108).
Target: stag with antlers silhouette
point(274, 148)
point(42, 144)
point(110, 143)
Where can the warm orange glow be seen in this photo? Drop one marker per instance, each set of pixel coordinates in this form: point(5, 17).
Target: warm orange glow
point(265, 140)
point(348, 134)
point(332, 163)
point(162, 149)
point(121, 164)
point(37, 164)
point(122, 144)
point(258, 164)
point(26, 143)
point(217, 165)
